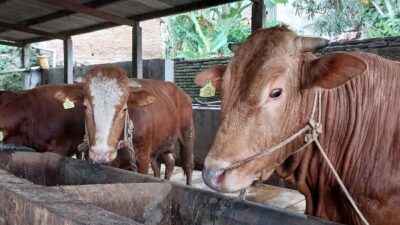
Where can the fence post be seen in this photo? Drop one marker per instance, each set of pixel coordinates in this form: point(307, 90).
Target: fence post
point(68, 61)
point(25, 56)
point(137, 63)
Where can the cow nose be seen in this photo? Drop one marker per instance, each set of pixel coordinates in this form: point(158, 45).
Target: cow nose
point(99, 157)
point(212, 178)
point(214, 172)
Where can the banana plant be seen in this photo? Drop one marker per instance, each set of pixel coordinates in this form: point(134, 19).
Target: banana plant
point(206, 31)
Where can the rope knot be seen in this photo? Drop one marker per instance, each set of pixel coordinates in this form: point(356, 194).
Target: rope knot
point(313, 132)
point(83, 149)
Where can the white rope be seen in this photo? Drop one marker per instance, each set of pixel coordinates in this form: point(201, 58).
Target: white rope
point(344, 189)
point(312, 130)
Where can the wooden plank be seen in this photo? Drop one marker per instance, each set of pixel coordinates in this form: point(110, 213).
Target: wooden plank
point(68, 61)
point(258, 13)
point(154, 4)
point(90, 11)
point(137, 62)
point(61, 13)
point(31, 30)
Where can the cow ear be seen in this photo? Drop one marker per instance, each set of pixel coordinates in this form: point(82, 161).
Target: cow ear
point(141, 98)
point(332, 70)
point(72, 96)
point(214, 74)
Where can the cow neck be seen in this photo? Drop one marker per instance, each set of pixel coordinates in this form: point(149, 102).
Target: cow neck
point(311, 131)
point(127, 140)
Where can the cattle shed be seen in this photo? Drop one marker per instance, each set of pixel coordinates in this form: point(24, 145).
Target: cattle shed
point(23, 22)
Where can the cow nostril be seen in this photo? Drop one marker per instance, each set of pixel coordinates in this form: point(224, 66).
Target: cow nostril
point(212, 178)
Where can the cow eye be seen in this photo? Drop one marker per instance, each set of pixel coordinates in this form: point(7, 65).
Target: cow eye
point(275, 93)
point(125, 109)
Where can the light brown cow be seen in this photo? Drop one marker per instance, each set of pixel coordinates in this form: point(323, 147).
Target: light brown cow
point(268, 92)
point(160, 111)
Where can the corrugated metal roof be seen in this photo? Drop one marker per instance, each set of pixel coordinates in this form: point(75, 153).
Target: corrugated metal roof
point(26, 21)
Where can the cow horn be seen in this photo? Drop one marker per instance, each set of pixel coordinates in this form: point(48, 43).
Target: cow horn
point(309, 44)
point(233, 47)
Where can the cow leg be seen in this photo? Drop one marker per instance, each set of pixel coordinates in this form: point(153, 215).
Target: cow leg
point(143, 160)
point(169, 164)
point(186, 152)
point(156, 166)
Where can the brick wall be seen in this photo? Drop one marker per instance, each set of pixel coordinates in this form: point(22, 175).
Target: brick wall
point(111, 45)
point(185, 70)
point(388, 47)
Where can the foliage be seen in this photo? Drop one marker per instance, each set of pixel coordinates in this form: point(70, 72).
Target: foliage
point(331, 17)
point(10, 58)
point(382, 18)
point(206, 32)
point(374, 18)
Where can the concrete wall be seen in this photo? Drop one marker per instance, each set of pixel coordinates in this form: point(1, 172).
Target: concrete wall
point(206, 123)
point(158, 69)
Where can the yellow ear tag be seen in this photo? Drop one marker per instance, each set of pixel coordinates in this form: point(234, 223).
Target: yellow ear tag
point(1, 136)
point(208, 90)
point(68, 104)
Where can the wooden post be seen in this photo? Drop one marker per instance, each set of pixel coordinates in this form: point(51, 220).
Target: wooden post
point(257, 15)
point(68, 61)
point(137, 63)
point(25, 56)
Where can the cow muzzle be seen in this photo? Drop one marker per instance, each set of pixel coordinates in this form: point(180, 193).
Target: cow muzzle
point(213, 178)
point(216, 177)
point(106, 157)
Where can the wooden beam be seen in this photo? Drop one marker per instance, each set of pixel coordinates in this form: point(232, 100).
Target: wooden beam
point(10, 43)
point(258, 13)
point(68, 61)
point(31, 30)
point(90, 11)
point(137, 62)
point(180, 9)
point(146, 16)
point(61, 13)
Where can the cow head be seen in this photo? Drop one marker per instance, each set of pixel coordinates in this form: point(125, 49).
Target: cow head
point(262, 90)
point(106, 92)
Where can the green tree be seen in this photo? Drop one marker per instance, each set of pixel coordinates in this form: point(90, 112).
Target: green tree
point(373, 18)
point(10, 58)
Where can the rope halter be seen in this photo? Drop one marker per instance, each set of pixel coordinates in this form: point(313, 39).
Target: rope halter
point(311, 131)
point(126, 142)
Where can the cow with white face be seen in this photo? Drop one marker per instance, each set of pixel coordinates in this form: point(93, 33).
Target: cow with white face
point(161, 114)
point(106, 94)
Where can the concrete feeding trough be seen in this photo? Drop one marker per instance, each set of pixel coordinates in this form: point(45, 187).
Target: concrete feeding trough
point(47, 188)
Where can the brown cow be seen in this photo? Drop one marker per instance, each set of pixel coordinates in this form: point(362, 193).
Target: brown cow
point(160, 111)
point(268, 92)
point(36, 119)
